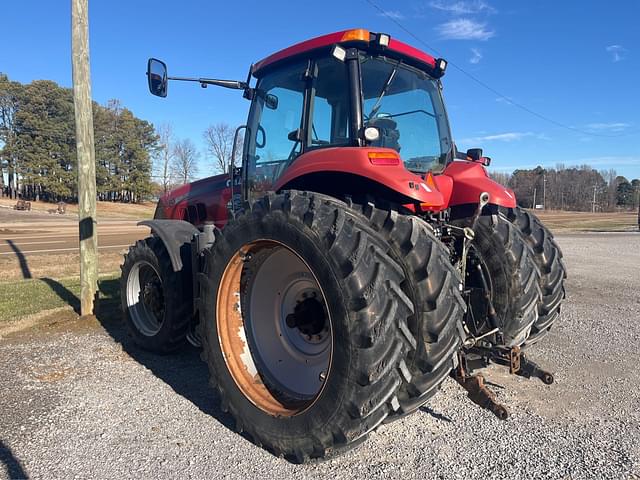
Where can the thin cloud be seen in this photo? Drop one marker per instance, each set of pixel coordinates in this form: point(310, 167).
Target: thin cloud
point(608, 127)
point(499, 137)
point(393, 14)
point(505, 100)
point(464, 29)
point(611, 160)
point(462, 7)
point(476, 56)
point(617, 52)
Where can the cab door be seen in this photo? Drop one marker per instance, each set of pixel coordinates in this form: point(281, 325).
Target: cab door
point(275, 132)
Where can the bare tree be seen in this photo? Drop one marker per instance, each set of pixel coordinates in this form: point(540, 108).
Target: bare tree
point(502, 178)
point(183, 165)
point(164, 157)
point(219, 138)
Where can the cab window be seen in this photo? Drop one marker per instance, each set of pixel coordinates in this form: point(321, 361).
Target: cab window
point(330, 105)
point(276, 118)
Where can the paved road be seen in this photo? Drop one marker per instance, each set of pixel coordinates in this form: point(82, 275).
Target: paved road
point(79, 400)
point(40, 238)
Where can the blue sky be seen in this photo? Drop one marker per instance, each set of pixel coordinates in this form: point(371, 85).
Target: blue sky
point(575, 62)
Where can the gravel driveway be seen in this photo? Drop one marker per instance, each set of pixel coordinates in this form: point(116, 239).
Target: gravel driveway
point(78, 400)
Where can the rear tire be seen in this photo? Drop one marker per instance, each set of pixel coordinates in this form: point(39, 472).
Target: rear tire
point(285, 405)
point(512, 274)
point(155, 300)
point(433, 284)
point(548, 258)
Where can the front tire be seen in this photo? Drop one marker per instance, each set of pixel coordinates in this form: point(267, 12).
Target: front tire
point(155, 300)
point(331, 280)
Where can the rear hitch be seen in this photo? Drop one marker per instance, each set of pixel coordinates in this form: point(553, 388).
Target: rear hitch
point(478, 392)
point(520, 365)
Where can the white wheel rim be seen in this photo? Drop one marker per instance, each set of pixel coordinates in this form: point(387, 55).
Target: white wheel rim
point(141, 277)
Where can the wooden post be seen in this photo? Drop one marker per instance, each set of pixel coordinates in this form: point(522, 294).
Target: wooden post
point(86, 155)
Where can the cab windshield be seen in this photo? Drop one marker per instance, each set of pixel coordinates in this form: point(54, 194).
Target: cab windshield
point(406, 106)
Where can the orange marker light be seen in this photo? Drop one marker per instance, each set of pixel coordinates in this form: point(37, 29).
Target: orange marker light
point(431, 183)
point(359, 34)
point(384, 158)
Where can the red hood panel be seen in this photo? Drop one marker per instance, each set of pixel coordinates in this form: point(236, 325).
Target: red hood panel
point(470, 180)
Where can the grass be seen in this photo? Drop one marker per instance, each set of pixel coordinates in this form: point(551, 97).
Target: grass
point(589, 222)
point(56, 265)
point(26, 297)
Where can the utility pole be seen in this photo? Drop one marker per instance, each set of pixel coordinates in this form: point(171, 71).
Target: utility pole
point(534, 198)
point(86, 155)
point(544, 192)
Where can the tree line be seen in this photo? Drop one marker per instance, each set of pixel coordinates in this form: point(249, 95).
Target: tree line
point(176, 160)
point(134, 161)
point(578, 188)
point(38, 149)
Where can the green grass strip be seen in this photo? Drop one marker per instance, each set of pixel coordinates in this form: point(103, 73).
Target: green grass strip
point(26, 297)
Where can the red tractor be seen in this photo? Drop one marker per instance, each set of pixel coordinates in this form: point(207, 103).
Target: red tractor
point(352, 262)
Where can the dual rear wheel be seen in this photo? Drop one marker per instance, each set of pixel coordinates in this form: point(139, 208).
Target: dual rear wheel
point(310, 328)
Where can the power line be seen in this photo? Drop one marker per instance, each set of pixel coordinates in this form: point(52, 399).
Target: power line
point(488, 87)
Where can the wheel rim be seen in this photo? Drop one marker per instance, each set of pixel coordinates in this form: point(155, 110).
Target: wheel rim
point(274, 328)
point(145, 298)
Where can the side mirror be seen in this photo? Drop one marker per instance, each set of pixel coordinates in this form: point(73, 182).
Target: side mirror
point(157, 77)
point(271, 101)
point(475, 155)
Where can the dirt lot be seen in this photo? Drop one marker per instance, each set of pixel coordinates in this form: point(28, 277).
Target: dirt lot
point(46, 211)
point(79, 400)
point(35, 244)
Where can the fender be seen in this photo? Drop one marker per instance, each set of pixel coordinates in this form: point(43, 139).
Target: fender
point(470, 180)
point(382, 166)
point(174, 234)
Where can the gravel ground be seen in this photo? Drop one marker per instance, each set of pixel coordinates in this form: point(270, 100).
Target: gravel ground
point(78, 400)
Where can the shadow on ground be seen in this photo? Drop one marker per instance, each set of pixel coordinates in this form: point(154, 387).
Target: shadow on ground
point(24, 266)
point(66, 295)
point(183, 371)
point(11, 464)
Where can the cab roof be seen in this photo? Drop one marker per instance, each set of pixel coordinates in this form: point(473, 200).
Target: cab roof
point(358, 37)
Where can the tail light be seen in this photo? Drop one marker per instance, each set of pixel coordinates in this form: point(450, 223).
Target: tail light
point(384, 158)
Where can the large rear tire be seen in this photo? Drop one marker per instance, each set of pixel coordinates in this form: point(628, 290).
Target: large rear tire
point(310, 361)
point(155, 300)
point(433, 284)
point(500, 254)
point(548, 258)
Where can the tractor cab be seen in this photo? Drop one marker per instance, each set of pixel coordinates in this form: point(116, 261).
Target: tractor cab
point(363, 91)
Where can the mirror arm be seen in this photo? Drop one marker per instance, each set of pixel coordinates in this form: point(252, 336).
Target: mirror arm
point(234, 84)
